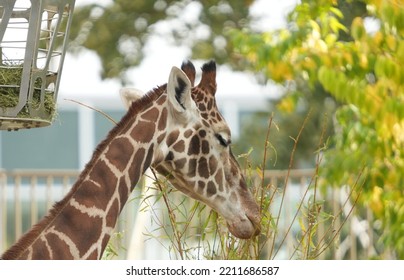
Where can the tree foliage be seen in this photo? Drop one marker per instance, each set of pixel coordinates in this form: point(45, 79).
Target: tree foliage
point(362, 69)
point(288, 118)
point(119, 31)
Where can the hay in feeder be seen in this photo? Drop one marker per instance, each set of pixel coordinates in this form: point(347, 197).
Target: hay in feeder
point(10, 80)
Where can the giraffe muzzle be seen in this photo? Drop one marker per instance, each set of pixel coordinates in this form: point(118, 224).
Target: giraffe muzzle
point(245, 228)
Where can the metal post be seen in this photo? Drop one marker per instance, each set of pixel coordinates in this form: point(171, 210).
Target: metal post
point(32, 39)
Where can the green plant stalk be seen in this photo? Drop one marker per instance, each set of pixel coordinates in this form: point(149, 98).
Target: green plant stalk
point(340, 212)
point(172, 219)
point(286, 184)
point(95, 109)
point(318, 161)
point(264, 159)
point(263, 188)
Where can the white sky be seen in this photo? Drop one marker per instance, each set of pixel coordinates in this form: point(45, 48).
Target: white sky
point(81, 80)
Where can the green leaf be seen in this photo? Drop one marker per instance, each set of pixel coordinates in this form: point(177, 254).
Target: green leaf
point(358, 31)
point(336, 12)
point(336, 26)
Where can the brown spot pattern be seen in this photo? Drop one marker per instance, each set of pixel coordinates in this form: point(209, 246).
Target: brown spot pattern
point(172, 137)
point(39, 254)
point(188, 133)
point(212, 164)
point(119, 152)
point(219, 179)
point(134, 169)
point(143, 132)
point(151, 115)
point(161, 137)
point(54, 241)
point(194, 145)
point(148, 159)
point(180, 163)
point(179, 146)
point(192, 167)
point(113, 214)
point(205, 147)
point(123, 189)
point(163, 120)
point(211, 190)
point(202, 133)
point(203, 170)
point(201, 186)
point(73, 223)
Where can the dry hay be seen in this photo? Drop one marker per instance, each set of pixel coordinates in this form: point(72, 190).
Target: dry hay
point(10, 80)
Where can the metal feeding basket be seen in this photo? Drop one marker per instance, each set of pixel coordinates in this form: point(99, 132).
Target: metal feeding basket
point(33, 40)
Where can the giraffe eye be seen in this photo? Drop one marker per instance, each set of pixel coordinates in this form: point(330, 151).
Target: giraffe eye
point(222, 141)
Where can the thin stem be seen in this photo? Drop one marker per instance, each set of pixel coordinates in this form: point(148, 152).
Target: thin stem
point(287, 180)
point(295, 216)
point(318, 161)
point(298, 245)
point(263, 189)
point(264, 160)
point(171, 216)
point(95, 109)
point(349, 213)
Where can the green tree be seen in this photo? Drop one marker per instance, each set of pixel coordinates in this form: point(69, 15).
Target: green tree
point(287, 120)
point(302, 99)
point(362, 70)
point(118, 32)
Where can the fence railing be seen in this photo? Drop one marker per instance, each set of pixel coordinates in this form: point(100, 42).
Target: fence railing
point(26, 196)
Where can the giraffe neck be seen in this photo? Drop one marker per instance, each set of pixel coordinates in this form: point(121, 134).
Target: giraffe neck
point(80, 226)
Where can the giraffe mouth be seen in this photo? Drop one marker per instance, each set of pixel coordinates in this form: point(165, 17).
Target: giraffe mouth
point(245, 228)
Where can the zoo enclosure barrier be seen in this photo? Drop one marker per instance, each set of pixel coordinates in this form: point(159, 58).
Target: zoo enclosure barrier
point(27, 195)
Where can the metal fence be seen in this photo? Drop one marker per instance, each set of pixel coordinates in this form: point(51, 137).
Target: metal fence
point(26, 196)
point(349, 230)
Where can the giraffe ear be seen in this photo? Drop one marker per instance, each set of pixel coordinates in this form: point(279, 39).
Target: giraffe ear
point(130, 95)
point(179, 91)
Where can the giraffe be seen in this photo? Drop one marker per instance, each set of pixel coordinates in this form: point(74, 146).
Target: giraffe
point(176, 129)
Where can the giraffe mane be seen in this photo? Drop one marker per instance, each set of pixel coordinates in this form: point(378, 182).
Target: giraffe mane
point(29, 237)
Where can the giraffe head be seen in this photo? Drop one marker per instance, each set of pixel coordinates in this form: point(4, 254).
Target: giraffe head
point(196, 153)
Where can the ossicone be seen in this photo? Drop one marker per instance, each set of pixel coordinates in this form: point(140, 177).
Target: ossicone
point(189, 70)
point(208, 80)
